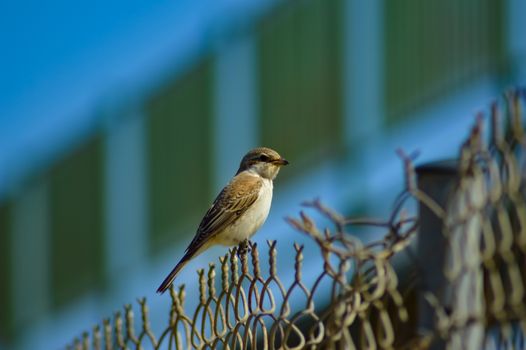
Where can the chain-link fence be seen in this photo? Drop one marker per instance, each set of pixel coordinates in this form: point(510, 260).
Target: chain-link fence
point(463, 288)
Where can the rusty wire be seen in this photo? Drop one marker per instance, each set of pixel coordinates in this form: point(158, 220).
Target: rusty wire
point(485, 231)
point(357, 301)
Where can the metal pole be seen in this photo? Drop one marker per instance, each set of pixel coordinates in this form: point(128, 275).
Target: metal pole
point(436, 180)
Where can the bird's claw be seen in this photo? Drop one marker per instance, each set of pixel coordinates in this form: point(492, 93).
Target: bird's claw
point(243, 248)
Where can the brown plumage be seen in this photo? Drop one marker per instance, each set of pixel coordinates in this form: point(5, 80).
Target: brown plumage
point(257, 166)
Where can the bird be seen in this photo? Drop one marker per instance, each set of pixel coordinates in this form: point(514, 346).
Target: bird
point(238, 211)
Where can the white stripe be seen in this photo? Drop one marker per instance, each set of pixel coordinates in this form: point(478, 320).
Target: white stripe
point(125, 195)
point(235, 107)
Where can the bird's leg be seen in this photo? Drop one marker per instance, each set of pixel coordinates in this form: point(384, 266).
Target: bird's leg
point(243, 248)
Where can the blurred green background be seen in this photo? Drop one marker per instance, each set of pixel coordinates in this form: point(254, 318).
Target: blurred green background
point(119, 123)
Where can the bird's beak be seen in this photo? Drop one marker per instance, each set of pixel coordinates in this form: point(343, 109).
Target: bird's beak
point(281, 162)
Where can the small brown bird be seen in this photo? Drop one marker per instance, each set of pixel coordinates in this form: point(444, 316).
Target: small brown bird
point(238, 211)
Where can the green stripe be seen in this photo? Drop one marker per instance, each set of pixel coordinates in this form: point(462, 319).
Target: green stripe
point(434, 47)
point(77, 258)
point(300, 79)
point(179, 141)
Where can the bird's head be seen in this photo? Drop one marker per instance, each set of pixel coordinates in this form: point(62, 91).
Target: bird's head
point(263, 161)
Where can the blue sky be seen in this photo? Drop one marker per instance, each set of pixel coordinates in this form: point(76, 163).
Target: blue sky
point(41, 40)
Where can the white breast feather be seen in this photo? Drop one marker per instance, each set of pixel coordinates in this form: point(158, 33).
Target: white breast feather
point(248, 224)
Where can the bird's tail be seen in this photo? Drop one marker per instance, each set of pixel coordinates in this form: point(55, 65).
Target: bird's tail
point(169, 279)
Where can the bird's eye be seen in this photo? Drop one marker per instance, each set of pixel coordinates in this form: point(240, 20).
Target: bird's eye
point(264, 158)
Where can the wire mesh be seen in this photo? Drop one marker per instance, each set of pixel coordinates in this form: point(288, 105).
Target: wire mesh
point(357, 300)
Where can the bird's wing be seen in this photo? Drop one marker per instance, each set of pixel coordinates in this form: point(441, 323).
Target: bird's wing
point(229, 205)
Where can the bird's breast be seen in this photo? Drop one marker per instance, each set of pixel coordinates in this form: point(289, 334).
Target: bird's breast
point(251, 220)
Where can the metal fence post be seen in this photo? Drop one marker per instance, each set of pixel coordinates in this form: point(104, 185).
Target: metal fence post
point(436, 180)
